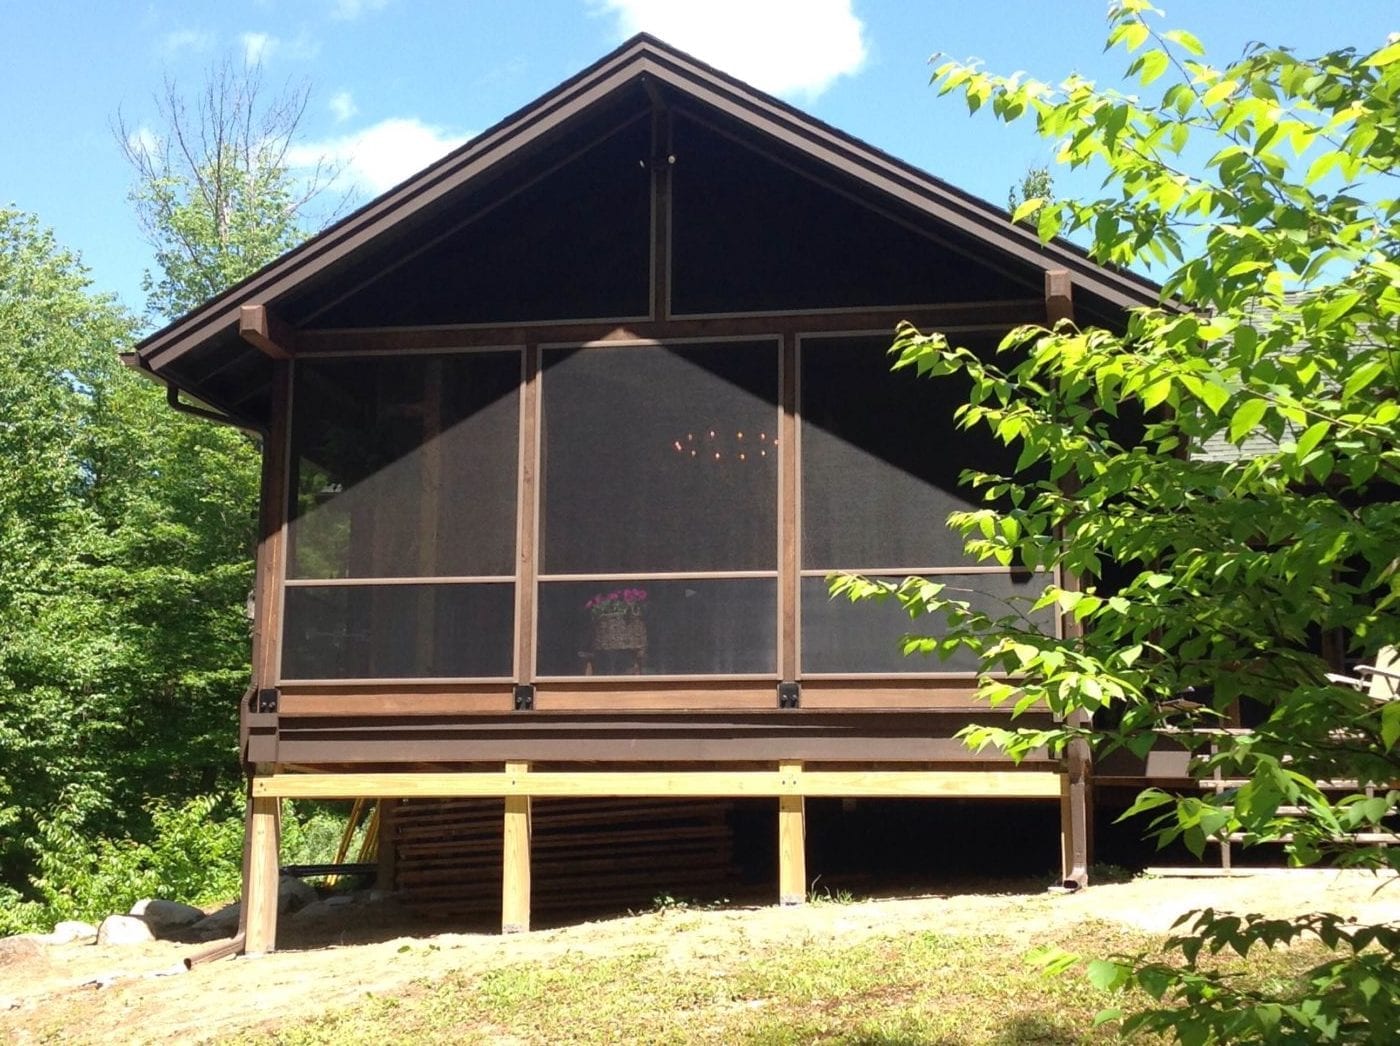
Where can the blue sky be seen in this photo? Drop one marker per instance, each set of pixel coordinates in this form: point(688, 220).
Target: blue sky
point(395, 83)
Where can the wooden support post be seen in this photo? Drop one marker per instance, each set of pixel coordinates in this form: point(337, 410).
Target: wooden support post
point(515, 859)
point(386, 852)
point(1074, 815)
point(260, 883)
point(792, 839)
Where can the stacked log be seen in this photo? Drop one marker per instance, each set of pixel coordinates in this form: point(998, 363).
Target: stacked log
point(587, 855)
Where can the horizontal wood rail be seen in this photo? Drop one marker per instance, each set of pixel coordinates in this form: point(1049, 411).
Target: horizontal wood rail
point(912, 784)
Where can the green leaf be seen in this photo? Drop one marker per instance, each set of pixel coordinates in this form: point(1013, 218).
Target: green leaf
point(1154, 64)
point(1185, 40)
point(1026, 208)
point(1385, 56)
point(1390, 724)
point(1106, 975)
point(1310, 439)
point(1362, 376)
point(1247, 418)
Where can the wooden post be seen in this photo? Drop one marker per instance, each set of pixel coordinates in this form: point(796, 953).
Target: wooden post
point(260, 884)
point(515, 860)
point(792, 840)
point(386, 850)
point(1075, 799)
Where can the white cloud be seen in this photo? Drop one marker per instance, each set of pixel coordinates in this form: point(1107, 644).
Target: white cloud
point(143, 140)
point(257, 47)
point(343, 106)
point(349, 10)
point(185, 40)
point(381, 155)
point(789, 47)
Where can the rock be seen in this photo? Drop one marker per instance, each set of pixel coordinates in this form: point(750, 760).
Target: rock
point(223, 923)
point(23, 948)
point(313, 911)
point(124, 929)
point(70, 930)
point(162, 916)
point(293, 894)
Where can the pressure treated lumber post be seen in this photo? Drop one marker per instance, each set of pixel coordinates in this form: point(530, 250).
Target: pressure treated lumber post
point(792, 840)
point(515, 859)
point(260, 887)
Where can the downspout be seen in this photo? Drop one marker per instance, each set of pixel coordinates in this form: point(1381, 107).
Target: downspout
point(222, 950)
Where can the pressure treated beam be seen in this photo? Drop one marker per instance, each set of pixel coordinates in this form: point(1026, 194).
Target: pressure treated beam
point(515, 861)
point(260, 888)
point(912, 784)
point(792, 839)
point(263, 330)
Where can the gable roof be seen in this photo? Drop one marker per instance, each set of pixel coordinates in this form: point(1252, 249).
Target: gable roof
point(650, 61)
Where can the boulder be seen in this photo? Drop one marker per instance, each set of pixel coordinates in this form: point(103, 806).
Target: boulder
point(223, 923)
point(69, 931)
point(163, 916)
point(124, 929)
point(22, 949)
point(293, 894)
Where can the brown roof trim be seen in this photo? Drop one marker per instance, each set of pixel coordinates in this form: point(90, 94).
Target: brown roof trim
point(643, 55)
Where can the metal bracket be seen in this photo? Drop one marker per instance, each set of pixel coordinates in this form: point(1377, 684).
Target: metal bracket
point(525, 697)
point(267, 699)
point(789, 695)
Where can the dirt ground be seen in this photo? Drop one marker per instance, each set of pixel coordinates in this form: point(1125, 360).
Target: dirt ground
point(142, 993)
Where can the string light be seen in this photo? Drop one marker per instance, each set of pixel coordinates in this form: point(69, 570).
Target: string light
point(716, 446)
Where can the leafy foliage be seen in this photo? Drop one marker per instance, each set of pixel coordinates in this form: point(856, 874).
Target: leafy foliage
point(125, 545)
point(1207, 580)
point(1036, 184)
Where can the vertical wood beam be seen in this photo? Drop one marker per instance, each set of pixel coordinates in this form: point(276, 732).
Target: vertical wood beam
point(660, 209)
point(272, 532)
point(386, 843)
point(429, 509)
point(515, 859)
point(792, 840)
point(789, 513)
point(1076, 800)
point(260, 883)
point(527, 554)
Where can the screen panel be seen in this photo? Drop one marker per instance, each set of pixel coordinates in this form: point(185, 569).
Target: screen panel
point(703, 626)
point(398, 631)
point(841, 636)
point(660, 458)
point(752, 234)
point(881, 459)
point(405, 466)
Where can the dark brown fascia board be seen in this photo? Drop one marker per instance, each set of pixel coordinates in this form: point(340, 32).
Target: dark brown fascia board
point(644, 56)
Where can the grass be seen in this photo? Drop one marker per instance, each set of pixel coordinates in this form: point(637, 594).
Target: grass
point(919, 987)
point(908, 988)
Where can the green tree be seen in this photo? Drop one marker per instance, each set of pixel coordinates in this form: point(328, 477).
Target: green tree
point(1036, 184)
point(1262, 191)
point(125, 537)
point(213, 191)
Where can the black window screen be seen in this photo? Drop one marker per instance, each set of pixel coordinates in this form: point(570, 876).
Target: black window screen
point(398, 631)
point(679, 627)
point(751, 234)
point(841, 636)
point(660, 459)
point(405, 466)
point(881, 457)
